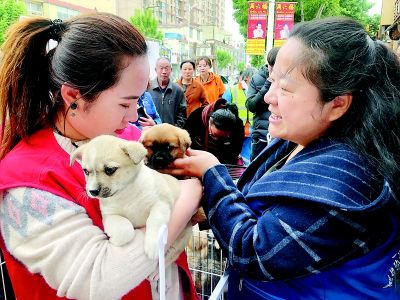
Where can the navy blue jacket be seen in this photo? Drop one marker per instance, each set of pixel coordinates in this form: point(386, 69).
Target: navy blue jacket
point(320, 211)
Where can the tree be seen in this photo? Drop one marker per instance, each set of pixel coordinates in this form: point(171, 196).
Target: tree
point(241, 66)
point(223, 59)
point(146, 24)
point(10, 11)
point(356, 9)
point(373, 25)
point(257, 61)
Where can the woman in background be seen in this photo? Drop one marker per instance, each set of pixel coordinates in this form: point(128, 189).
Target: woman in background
point(194, 91)
point(147, 112)
point(211, 82)
point(218, 129)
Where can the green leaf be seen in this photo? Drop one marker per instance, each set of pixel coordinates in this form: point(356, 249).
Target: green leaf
point(146, 24)
point(10, 11)
point(224, 58)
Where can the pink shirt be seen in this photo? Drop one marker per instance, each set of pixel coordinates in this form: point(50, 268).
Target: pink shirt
point(131, 133)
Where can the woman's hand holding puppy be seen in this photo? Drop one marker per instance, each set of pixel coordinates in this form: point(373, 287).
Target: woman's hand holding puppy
point(195, 164)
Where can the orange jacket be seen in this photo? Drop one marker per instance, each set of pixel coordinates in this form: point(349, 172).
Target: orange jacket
point(214, 87)
point(195, 96)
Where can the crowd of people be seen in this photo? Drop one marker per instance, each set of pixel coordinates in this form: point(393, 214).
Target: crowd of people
point(314, 216)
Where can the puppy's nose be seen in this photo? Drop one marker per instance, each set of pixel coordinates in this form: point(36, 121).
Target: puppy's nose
point(95, 193)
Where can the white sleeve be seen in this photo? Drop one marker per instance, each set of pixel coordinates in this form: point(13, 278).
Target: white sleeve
point(55, 238)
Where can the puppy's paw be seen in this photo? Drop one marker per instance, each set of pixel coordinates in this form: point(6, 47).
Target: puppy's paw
point(151, 247)
point(121, 238)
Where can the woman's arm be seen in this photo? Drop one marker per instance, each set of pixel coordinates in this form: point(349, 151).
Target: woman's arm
point(203, 96)
point(273, 238)
point(59, 241)
point(156, 117)
point(269, 237)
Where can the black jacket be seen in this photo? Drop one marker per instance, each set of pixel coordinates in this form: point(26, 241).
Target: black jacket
point(227, 151)
point(258, 87)
point(171, 106)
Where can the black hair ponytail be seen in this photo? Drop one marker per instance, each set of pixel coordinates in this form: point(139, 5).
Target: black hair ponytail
point(225, 118)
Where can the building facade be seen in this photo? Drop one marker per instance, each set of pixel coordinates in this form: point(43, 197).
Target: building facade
point(192, 28)
point(58, 9)
point(389, 29)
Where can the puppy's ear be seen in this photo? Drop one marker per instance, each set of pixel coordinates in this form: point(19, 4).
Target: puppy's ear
point(77, 154)
point(144, 133)
point(184, 139)
point(135, 150)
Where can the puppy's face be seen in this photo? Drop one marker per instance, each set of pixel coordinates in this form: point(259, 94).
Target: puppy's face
point(164, 143)
point(109, 164)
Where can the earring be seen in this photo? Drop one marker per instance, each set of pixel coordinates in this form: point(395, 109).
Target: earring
point(73, 106)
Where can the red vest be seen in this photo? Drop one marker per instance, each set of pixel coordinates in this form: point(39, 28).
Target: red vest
point(41, 163)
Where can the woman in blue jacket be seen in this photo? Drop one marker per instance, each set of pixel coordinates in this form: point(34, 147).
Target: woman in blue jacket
point(147, 112)
point(316, 214)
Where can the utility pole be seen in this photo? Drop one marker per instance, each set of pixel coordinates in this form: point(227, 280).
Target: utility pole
point(320, 10)
point(301, 11)
point(271, 23)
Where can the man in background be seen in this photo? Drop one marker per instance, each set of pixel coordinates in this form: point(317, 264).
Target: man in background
point(168, 97)
point(258, 87)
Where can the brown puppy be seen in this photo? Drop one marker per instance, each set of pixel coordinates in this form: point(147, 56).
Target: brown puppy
point(164, 143)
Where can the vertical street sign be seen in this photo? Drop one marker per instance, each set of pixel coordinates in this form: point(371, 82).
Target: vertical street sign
point(284, 20)
point(257, 28)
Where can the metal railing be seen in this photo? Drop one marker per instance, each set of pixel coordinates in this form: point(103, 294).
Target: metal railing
point(206, 263)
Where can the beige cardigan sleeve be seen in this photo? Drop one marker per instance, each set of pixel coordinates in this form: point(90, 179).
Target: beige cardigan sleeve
point(58, 240)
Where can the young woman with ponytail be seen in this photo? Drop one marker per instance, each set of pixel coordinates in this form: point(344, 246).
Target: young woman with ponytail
point(51, 101)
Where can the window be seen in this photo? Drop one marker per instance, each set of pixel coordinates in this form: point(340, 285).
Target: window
point(64, 13)
point(34, 8)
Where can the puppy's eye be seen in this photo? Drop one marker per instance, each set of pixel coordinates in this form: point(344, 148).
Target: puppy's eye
point(86, 172)
point(110, 170)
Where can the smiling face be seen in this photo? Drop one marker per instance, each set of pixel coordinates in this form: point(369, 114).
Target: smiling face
point(297, 112)
point(114, 107)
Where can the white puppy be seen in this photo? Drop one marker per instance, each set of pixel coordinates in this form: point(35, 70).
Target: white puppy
point(131, 194)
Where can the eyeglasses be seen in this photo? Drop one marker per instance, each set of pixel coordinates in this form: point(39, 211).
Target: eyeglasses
point(217, 134)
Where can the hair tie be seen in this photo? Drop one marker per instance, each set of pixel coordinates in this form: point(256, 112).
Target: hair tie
point(56, 27)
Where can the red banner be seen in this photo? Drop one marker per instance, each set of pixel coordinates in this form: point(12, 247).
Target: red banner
point(257, 28)
point(284, 20)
